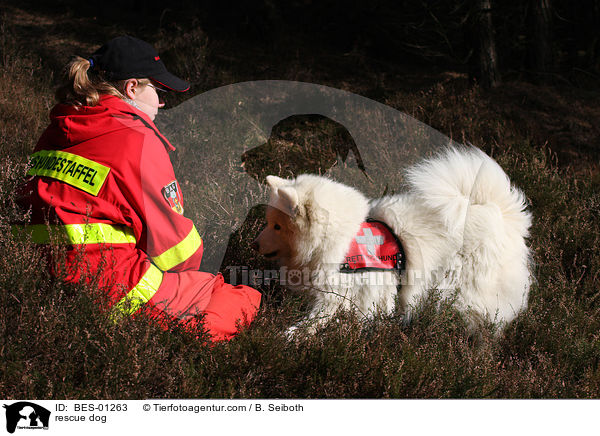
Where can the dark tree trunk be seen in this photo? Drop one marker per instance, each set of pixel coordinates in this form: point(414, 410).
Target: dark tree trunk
point(489, 75)
point(541, 44)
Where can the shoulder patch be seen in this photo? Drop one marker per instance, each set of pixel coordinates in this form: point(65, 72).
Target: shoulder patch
point(172, 193)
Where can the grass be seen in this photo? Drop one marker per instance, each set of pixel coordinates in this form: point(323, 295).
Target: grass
point(55, 343)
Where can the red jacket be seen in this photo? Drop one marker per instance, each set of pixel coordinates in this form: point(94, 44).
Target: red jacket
point(102, 176)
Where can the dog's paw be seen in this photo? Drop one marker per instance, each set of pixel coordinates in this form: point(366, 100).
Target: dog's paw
point(290, 333)
point(301, 329)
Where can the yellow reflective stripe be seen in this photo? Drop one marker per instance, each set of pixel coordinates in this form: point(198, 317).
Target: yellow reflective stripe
point(89, 233)
point(139, 295)
point(180, 252)
point(85, 174)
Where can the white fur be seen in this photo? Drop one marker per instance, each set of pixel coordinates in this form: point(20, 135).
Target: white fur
point(463, 228)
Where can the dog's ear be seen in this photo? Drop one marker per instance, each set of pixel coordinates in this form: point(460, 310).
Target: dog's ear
point(275, 182)
point(288, 198)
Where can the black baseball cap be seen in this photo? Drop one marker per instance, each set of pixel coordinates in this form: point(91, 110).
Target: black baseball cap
point(126, 57)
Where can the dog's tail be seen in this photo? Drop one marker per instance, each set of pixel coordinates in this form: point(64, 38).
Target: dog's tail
point(457, 178)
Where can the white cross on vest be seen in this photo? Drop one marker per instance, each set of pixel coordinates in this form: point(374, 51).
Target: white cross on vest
point(370, 241)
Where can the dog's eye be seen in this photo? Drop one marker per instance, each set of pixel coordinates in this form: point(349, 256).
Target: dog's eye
point(277, 227)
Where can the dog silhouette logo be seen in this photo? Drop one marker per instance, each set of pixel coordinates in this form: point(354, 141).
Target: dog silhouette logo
point(26, 415)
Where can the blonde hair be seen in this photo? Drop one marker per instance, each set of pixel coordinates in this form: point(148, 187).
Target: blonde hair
point(84, 88)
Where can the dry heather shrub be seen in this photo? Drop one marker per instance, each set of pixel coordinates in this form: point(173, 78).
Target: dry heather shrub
point(25, 98)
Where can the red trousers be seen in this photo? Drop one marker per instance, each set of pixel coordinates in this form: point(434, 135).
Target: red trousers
point(225, 307)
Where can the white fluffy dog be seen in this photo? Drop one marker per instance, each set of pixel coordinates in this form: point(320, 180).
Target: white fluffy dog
point(461, 224)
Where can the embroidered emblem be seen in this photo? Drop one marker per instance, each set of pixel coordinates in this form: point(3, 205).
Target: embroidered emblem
point(172, 194)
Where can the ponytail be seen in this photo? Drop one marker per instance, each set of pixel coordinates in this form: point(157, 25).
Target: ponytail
point(83, 85)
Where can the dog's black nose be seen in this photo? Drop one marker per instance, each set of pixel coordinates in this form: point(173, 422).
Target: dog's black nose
point(254, 245)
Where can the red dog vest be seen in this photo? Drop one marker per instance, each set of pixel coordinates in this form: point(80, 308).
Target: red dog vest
point(374, 248)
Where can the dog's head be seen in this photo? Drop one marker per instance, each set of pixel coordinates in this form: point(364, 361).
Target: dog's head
point(310, 220)
point(275, 242)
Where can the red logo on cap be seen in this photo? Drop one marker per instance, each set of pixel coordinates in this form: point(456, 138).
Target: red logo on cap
point(157, 58)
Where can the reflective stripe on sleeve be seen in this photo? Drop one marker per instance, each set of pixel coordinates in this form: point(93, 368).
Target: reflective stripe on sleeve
point(139, 295)
point(89, 233)
point(180, 252)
